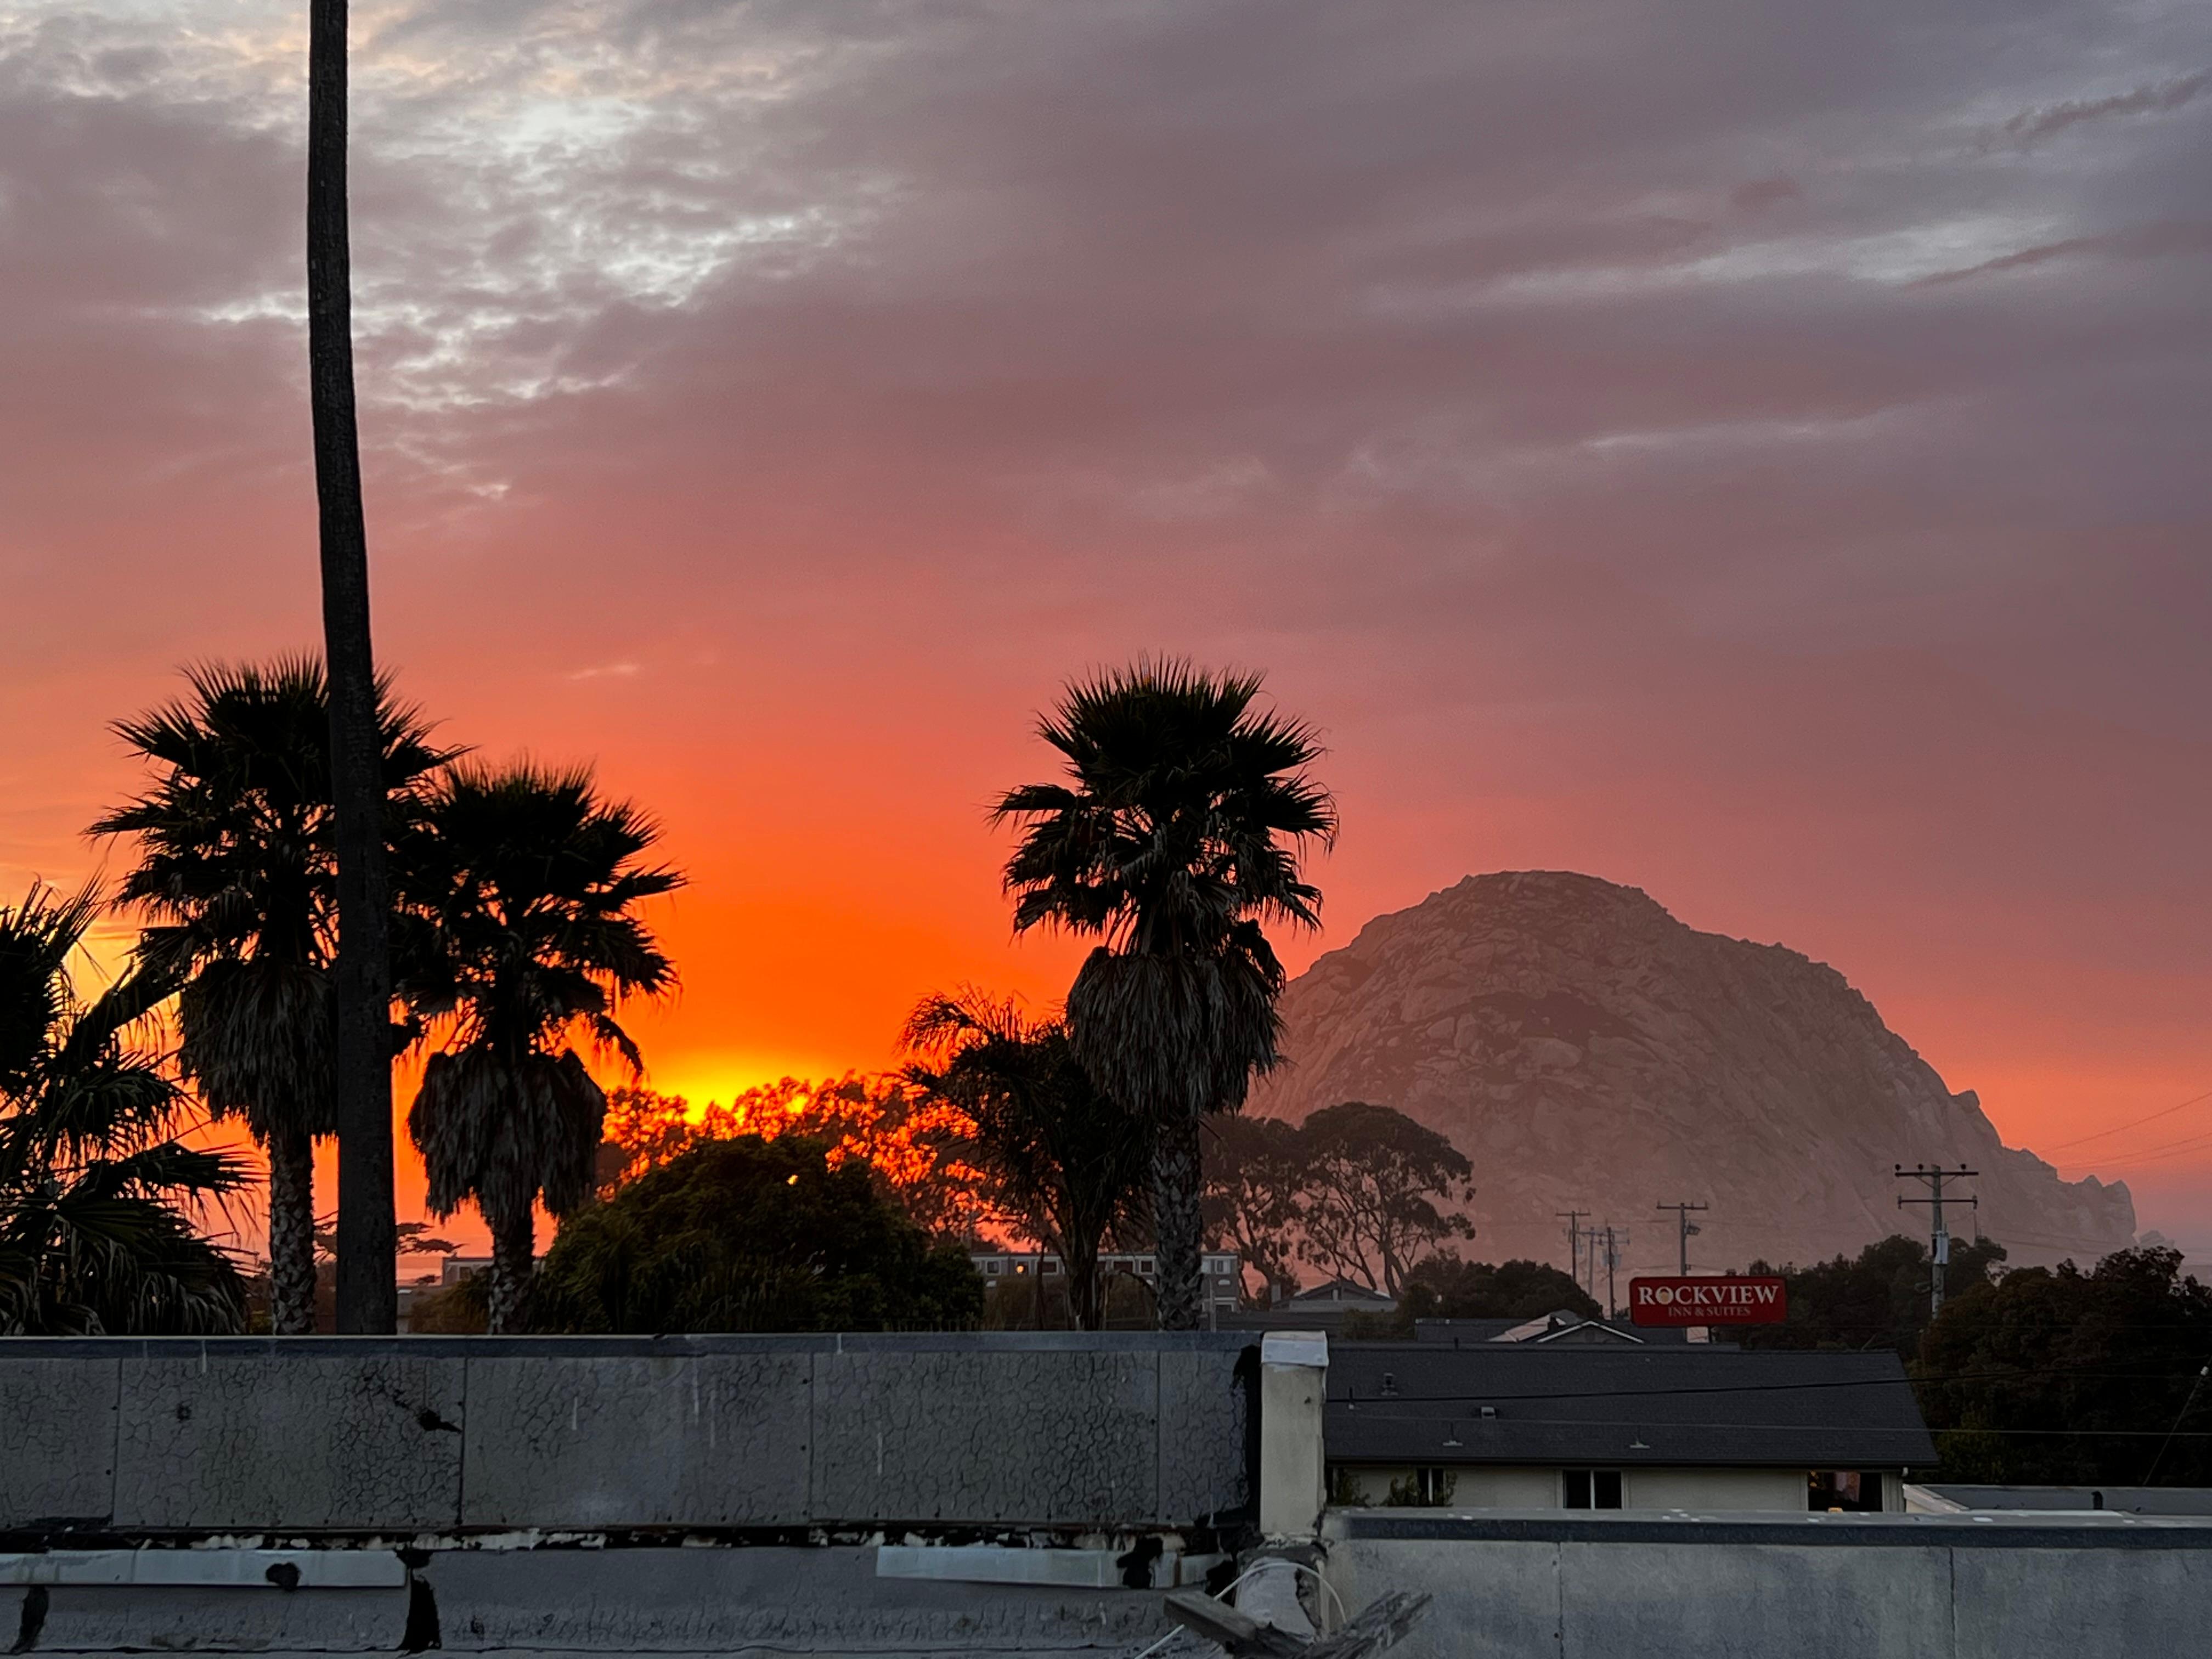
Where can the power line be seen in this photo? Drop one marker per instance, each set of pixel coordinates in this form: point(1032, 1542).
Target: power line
point(2136, 1124)
point(2180, 1417)
point(2185, 1144)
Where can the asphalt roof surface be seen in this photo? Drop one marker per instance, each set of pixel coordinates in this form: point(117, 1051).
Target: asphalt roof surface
point(1426, 1402)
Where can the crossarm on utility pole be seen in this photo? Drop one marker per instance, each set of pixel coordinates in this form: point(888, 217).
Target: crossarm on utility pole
point(1939, 1240)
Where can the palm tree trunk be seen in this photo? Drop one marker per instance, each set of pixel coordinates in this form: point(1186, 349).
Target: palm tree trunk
point(1177, 1227)
point(292, 1233)
point(368, 1278)
point(1085, 1293)
point(513, 1258)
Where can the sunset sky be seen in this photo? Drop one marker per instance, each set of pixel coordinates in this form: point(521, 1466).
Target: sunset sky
point(1752, 452)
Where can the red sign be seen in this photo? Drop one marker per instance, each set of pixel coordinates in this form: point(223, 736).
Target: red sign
point(1707, 1301)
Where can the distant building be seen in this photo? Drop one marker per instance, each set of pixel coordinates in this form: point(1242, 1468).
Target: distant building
point(1531, 1425)
point(1323, 1307)
point(1345, 1293)
point(1223, 1273)
point(1563, 1326)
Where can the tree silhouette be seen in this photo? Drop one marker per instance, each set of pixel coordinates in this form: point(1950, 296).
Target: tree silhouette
point(527, 885)
point(1372, 1179)
point(368, 1268)
point(1255, 1175)
point(1056, 1153)
point(96, 1237)
point(236, 871)
point(1177, 833)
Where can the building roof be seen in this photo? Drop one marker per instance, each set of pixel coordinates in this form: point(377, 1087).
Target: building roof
point(1498, 1402)
point(1343, 1291)
point(2123, 1500)
point(1560, 1327)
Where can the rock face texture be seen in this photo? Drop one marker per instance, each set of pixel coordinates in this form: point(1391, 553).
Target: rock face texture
point(1586, 1050)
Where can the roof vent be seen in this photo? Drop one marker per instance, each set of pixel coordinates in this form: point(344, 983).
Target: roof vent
point(1490, 1411)
point(1389, 1384)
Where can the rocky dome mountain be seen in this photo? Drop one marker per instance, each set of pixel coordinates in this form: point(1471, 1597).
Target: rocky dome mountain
point(1586, 1050)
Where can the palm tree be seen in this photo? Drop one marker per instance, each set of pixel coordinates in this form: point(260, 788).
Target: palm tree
point(1063, 1158)
point(95, 1185)
point(1178, 832)
point(236, 872)
point(368, 1297)
point(529, 884)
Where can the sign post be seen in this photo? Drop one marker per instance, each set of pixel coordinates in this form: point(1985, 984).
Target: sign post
point(1730, 1301)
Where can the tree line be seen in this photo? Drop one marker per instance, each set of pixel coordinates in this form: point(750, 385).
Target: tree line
point(2029, 1376)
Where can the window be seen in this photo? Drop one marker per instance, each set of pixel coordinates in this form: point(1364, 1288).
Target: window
point(1145, 1265)
point(1590, 1489)
point(992, 1268)
point(1048, 1266)
point(1849, 1490)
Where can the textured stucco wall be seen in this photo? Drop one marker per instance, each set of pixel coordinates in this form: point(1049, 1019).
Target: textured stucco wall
point(435, 1433)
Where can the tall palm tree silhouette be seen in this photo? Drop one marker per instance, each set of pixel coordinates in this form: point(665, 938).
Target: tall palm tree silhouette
point(525, 883)
point(367, 1293)
point(235, 875)
point(1177, 832)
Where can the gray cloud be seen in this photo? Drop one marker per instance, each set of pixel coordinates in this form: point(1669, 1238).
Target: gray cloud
point(2033, 124)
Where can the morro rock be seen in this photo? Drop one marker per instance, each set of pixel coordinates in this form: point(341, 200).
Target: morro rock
point(1587, 1051)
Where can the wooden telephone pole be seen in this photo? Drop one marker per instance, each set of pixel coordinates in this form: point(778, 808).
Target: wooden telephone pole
point(1684, 1227)
point(1939, 1241)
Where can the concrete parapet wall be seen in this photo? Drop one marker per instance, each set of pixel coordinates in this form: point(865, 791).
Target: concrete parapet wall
point(1814, 1587)
point(438, 1434)
point(755, 1601)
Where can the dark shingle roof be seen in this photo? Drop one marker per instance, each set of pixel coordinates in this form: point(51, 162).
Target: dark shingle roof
point(1423, 1402)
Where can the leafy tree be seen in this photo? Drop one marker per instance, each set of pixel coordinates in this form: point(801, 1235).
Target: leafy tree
point(1067, 1162)
point(2058, 1376)
point(919, 1144)
point(529, 884)
point(1178, 832)
point(922, 1146)
point(361, 979)
point(1445, 1287)
point(237, 872)
point(1372, 1178)
point(1877, 1299)
point(96, 1237)
point(754, 1235)
point(1255, 1175)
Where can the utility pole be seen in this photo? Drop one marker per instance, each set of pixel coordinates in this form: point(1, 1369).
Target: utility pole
point(1574, 1220)
point(1615, 1242)
point(1685, 1227)
point(1939, 1241)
